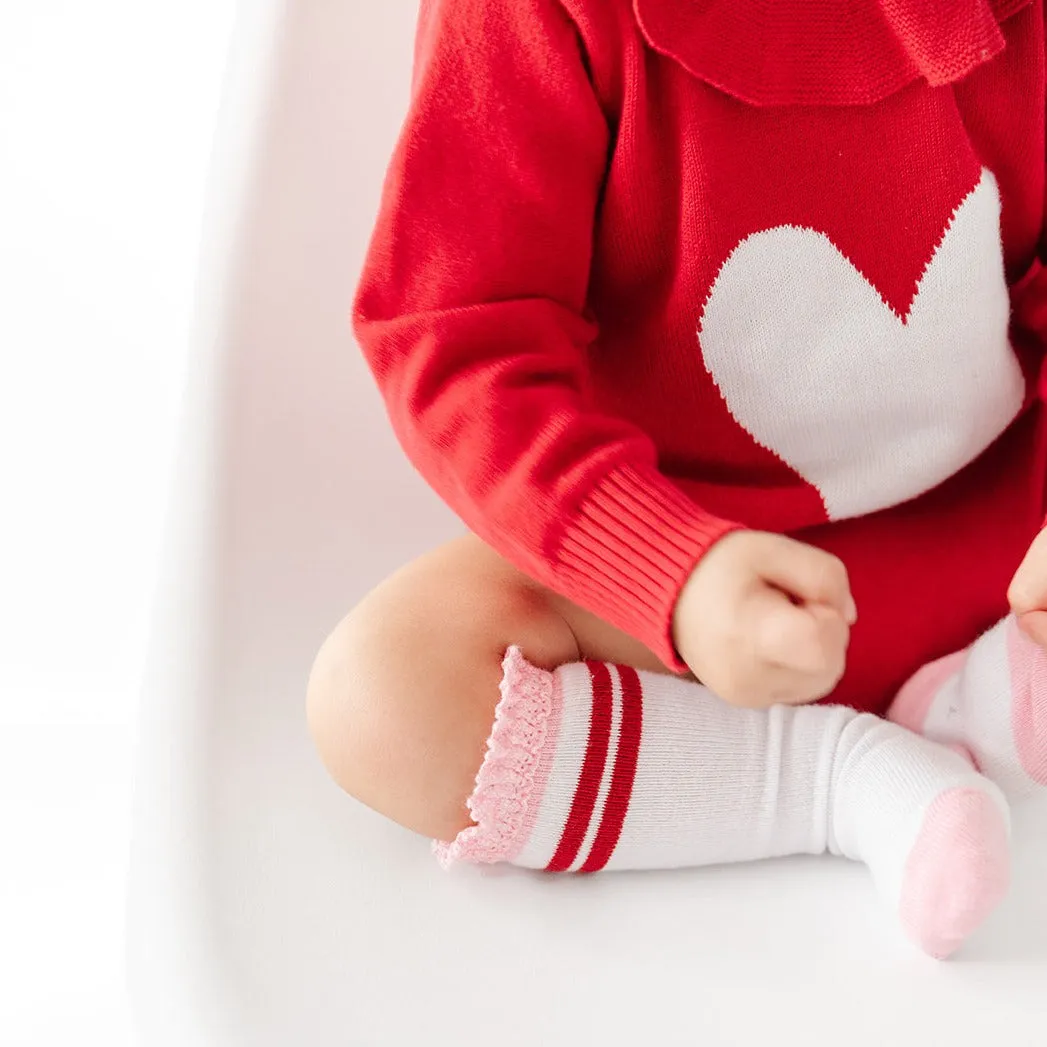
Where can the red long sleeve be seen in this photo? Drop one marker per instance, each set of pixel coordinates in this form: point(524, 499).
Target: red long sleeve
point(472, 315)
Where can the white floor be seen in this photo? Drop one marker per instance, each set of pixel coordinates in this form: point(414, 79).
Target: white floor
point(107, 112)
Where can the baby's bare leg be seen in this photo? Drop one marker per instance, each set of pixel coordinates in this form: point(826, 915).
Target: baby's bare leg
point(402, 694)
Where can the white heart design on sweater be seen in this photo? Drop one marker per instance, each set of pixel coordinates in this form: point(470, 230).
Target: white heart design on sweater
point(870, 408)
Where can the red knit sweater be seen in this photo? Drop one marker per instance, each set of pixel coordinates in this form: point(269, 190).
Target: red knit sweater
point(647, 270)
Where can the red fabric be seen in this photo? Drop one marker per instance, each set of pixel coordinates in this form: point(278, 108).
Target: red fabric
point(570, 179)
point(623, 777)
point(825, 52)
point(588, 789)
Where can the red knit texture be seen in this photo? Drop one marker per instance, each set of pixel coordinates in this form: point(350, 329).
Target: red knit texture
point(571, 178)
point(825, 52)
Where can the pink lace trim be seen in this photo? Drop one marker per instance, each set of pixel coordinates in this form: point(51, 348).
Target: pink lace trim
point(508, 776)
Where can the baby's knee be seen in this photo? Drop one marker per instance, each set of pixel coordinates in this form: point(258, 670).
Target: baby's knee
point(335, 701)
point(402, 693)
point(356, 685)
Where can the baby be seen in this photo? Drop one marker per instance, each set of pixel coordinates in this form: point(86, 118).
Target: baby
point(721, 327)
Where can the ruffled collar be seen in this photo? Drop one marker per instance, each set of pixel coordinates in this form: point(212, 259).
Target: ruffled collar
point(825, 52)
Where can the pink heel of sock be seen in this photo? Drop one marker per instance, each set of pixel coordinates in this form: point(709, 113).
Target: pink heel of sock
point(1028, 665)
point(915, 699)
point(958, 871)
point(991, 699)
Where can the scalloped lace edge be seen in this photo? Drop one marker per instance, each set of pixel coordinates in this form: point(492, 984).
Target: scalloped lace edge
point(506, 780)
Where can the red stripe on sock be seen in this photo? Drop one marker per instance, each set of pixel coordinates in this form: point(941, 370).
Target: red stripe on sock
point(624, 774)
point(592, 771)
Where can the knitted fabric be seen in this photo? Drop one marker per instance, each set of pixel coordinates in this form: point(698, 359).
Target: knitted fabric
point(626, 294)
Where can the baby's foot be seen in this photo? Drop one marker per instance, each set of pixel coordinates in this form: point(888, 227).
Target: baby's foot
point(990, 699)
point(934, 833)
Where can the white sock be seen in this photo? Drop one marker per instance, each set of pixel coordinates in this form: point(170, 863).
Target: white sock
point(597, 766)
point(991, 700)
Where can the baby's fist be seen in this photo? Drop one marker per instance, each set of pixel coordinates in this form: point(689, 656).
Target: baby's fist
point(765, 620)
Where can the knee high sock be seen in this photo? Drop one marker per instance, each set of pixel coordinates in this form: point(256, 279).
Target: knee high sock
point(596, 766)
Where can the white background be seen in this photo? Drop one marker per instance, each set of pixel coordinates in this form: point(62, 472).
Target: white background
point(107, 111)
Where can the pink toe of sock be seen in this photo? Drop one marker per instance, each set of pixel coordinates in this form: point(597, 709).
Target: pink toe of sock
point(1028, 666)
point(958, 872)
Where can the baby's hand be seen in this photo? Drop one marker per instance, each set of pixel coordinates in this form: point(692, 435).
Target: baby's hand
point(765, 620)
point(1028, 591)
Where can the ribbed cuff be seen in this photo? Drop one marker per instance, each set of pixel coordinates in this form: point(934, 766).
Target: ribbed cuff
point(633, 543)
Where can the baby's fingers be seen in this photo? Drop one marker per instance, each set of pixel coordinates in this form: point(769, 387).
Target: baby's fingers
point(1028, 590)
point(810, 575)
point(809, 641)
